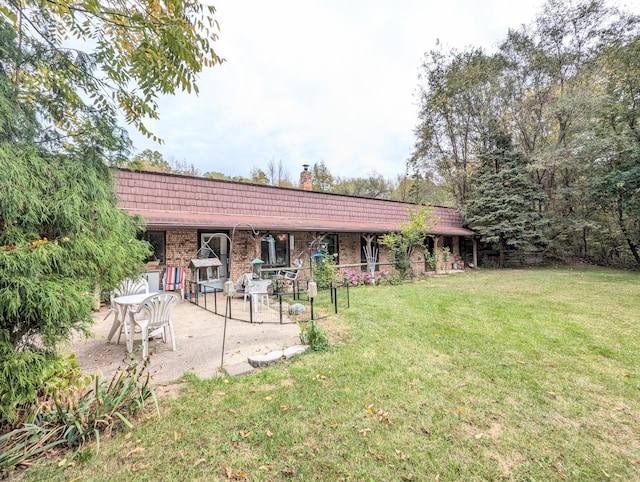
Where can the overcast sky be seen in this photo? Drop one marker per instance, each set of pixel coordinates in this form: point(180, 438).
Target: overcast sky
point(330, 80)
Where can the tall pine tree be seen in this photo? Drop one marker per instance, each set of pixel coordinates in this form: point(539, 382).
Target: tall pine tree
point(505, 203)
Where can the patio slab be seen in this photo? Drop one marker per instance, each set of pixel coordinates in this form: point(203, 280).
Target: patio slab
point(199, 335)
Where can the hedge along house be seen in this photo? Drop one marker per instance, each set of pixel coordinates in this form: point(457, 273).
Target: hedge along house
point(244, 222)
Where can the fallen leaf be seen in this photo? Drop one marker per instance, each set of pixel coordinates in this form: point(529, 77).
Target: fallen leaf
point(245, 435)
point(365, 431)
point(268, 397)
point(376, 456)
point(137, 450)
point(62, 462)
point(199, 461)
point(290, 473)
point(635, 462)
point(176, 436)
point(268, 433)
point(127, 436)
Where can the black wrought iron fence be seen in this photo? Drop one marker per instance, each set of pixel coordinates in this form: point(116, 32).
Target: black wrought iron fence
point(280, 307)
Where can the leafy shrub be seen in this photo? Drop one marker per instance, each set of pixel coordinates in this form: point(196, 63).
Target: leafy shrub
point(71, 415)
point(27, 375)
point(314, 336)
point(432, 258)
point(324, 269)
point(413, 234)
point(446, 253)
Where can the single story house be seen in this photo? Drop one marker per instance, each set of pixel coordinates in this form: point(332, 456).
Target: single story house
point(191, 217)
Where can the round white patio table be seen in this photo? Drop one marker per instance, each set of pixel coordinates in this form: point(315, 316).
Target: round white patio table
point(126, 302)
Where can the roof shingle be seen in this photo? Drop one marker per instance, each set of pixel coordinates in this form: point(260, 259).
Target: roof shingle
point(167, 200)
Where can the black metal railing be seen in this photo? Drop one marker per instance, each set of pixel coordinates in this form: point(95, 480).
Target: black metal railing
point(293, 306)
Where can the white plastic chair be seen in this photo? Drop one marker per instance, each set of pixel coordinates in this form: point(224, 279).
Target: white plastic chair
point(257, 289)
point(153, 316)
point(128, 286)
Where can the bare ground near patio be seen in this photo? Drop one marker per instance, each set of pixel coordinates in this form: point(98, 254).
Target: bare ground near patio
point(199, 336)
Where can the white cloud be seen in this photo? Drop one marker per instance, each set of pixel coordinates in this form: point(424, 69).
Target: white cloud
point(311, 81)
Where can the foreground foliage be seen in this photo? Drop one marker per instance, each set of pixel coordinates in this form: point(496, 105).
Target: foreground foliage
point(75, 414)
point(514, 375)
point(62, 237)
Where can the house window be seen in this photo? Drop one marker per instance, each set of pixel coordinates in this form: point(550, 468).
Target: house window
point(364, 253)
point(214, 245)
point(448, 243)
point(329, 245)
point(157, 241)
point(274, 250)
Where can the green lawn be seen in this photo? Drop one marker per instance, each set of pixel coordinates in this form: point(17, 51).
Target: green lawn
point(486, 375)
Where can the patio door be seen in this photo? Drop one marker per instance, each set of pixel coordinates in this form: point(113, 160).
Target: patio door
point(218, 244)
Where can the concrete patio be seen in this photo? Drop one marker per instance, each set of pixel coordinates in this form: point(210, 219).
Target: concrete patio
point(199, 336)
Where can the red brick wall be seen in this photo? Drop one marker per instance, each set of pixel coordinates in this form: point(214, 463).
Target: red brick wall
point(242, 252)
point(181, 246)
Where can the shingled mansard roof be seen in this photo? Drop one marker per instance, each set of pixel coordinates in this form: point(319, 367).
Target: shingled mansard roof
point(173, 201)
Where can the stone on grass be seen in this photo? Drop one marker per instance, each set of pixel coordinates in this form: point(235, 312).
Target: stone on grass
point(297, 309)
point(295, 350)
point(265, 360)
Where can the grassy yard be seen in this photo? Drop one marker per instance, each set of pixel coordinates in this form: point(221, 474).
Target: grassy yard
point(486, 375)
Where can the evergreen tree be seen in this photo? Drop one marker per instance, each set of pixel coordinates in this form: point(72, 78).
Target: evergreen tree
point(505, 205)
point(62, 236)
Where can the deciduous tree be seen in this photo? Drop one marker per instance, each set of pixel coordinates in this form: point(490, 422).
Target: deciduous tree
point(615, 185)
point(413, 234)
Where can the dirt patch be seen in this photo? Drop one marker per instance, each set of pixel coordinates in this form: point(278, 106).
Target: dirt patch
point(171, 390)
point(337, 331)
point(288, 382)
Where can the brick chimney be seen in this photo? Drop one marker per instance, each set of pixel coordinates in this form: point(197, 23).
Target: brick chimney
point(306, 182)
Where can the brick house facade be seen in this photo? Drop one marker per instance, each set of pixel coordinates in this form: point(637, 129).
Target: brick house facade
point(280, 224)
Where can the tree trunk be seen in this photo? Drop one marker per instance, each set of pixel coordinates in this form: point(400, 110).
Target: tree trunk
point(503, 248)
point(632, 246)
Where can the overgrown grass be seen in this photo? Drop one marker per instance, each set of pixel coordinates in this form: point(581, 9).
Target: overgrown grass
point(489, 375)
